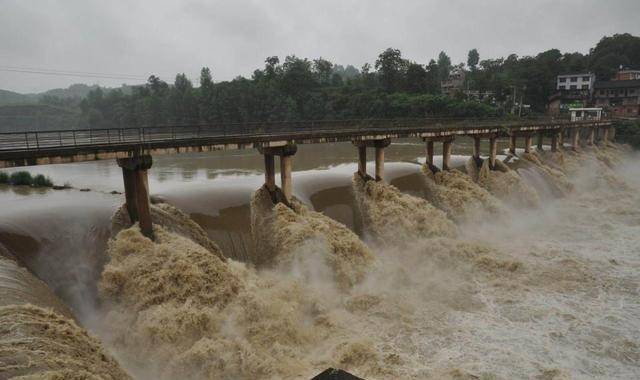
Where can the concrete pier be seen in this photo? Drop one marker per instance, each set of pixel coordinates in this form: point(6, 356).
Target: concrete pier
point(476, 148)
point(286, 153)
point(528, 140)
point(429, 151)
point(540, 141)
point(605, 136)
point(554, 141)
point(446, 154)
point(136, 186)
point(575, 139)
point(379, 163)
point(270, 172)
point(512, 144)
point(493, 151)
point(378, 145)
point(591, 139)
point(286, 164)
point(362, 161)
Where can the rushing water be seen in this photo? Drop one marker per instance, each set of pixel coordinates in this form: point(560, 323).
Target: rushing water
point(537, 278)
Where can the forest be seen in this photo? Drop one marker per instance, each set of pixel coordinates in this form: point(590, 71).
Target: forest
point(293, 88)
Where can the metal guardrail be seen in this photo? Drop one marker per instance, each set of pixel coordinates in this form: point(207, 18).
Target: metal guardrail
point(77, 138)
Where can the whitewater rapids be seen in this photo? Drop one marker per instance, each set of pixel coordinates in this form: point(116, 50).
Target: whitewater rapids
point(536, 287)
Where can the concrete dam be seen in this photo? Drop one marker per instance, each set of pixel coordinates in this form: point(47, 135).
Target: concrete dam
point(387, 248)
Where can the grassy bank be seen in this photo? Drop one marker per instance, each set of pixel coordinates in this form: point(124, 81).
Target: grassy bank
point(24, 178)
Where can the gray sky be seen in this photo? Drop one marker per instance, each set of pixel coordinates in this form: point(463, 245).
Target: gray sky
point(233, 37)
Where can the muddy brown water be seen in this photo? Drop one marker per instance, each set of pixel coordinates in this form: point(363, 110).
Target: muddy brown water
point(570, 310)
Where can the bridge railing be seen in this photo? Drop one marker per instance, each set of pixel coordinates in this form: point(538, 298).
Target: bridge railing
point(18, 141)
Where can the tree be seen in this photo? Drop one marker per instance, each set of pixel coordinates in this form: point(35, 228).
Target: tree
point(416, 78)
point(205, 101)
point(444, 65)
point(432, 78)
point(336, 80)
point(182, 101)
point(157, 86)
point(611, 52)
point(390, 66)
point(297, 79)
point(271, 67)
point(323, 70)
point(472, 59)
point(368, 78)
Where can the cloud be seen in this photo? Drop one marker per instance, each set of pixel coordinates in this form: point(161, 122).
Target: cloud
point(234, 37)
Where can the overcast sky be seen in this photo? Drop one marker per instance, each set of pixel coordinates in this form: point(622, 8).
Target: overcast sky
point(138, 38)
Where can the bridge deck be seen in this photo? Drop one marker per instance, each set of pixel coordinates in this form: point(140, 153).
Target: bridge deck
point(62, 146)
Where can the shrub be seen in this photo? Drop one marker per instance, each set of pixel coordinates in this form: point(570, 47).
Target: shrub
point(41, 181)
point(4, 177)
point(21, 178)
point(629, 133)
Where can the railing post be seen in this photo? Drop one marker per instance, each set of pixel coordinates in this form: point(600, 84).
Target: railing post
point(26, 139)
point(60, 138)
point(37, 142)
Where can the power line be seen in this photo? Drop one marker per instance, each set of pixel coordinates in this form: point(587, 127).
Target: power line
point(70, 74)
point(39, 69)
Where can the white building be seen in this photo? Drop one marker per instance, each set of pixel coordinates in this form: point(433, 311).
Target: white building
point(576, 82)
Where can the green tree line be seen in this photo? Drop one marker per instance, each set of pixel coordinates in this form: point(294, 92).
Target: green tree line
point(296, 88)
point(292, 89)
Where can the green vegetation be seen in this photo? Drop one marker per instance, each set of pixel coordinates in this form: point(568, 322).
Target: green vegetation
point(297, 88)
point(628, 132)
point(24, 178)
point(41, 181)
point(21, 178)
point(302, 89)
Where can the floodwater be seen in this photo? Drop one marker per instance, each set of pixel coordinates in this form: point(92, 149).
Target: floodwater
point(530, 273)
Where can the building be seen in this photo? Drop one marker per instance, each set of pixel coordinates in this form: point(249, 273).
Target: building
point(573, 91)
point(626, 74)
point(580, 114)
point(572, 82)
point(482, 96)
point(454, 83)
point(620, 97)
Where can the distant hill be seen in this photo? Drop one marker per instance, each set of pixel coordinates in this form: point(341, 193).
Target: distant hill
point(75, 91)
point(12, 98)
point(31, 117)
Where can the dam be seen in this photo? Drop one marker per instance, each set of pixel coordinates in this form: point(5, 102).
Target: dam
point(410, 307)
point(133, 147)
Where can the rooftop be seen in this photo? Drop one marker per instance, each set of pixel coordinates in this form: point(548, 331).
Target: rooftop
point(618, 84)
point(575, 75)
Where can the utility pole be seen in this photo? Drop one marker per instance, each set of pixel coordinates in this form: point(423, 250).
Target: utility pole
point(520, 105)
point(521, 100)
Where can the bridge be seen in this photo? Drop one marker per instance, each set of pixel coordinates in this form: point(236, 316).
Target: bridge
point(133, 147)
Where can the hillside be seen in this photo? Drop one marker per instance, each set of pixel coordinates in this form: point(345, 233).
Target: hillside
point(11, 98)
point(75, 91)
